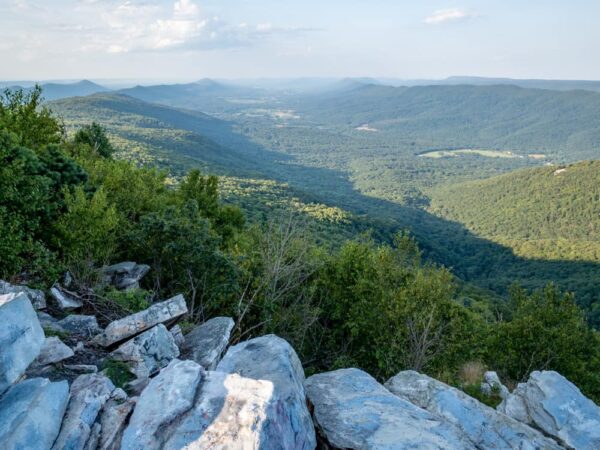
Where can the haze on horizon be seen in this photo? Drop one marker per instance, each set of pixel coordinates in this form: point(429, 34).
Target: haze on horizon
point(193, 39)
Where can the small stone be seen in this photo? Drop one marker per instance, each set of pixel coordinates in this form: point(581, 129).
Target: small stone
point(206, 343)
point(49, 323)
point(81, 368)
point(64, 301)
point(177, 334)
point(80, 325)
point(125, 275)
point(53, 351)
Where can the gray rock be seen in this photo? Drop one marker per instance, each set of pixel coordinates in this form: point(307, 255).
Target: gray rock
point(31, 413)
point(148, 352)
point(125, 275)
point(88, 394)
point(80, 325)
point(491, 383)
point(177, 334)
point(271, 358)
point(113, 419)
point(236, 413)
point(35, 296)
point(556, 406)
point(53, 351)
point(206, 343)
point(94, 439)
point(21, 337)
point(49, 323)
point(484, 426)
point(132, 325)
point(81, 368)
point(64, 301)
point(170, 394)
point(354, 411)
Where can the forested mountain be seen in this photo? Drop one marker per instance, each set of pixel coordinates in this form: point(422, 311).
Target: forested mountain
point(547, 213)
point(555, 85)
point(204, 95)
point(55, 91)
point(563, 124)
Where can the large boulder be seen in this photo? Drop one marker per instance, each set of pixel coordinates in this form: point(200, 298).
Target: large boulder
point(88, 395)
point(556, 406)
point(206, 343)
point(53, 351)
point(484, 426)
point(132, 325)
point(272, 359)
point(21, 337)
point(148, 352)
point(80, 325)
point(237, 413)
point(170, 394)
point(353, 411)
point(31, 413)
point(35, 296)
point(125, 275)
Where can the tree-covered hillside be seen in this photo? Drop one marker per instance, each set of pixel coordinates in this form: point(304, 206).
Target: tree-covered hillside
point(546, 213)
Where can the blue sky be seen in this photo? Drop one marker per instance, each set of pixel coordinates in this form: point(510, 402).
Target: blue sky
point(192, 39)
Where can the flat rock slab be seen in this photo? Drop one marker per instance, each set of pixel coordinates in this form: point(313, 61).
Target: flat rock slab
point(80, 325)
point(53, 351)
point(169, 395)
point(148, 352)
point(35, 296)
point(556, 406)
point(132, 325)
point(206, 343)
point(234, 413)
point(31, 413)
point(270, 358)
point(353, 411)
point(88, 395)
point(21, 337)
point(484, 426)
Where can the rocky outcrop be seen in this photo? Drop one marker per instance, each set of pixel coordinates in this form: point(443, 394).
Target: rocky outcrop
point(31, 413)
point(21, 337)
point(88, 395)
point(139, 322)
point(53, 351)
point(484, 426)
point(553, 404)
point(279, 365)
point(35, 296)
point(206, 343)
point(125, 275)
point(79, 325)
point(353, 411)
point(166, 397)
point(64, 301)
point(148, 352)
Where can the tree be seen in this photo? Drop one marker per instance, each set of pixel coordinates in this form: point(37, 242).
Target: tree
point(95, 137)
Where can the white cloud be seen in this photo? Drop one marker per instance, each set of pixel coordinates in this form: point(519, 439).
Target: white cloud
point(441, 16)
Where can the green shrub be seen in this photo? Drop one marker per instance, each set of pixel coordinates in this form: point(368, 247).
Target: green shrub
point(118, 372)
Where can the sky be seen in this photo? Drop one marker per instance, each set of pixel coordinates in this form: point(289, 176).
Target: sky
point(193, 39)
